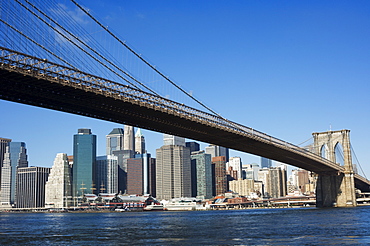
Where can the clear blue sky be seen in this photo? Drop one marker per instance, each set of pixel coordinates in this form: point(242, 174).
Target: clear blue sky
point(286, 68)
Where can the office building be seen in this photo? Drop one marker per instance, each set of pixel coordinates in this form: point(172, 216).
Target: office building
point(219, 165)
point(236, 164)
point(266, 163)
point(114, 141)
point(58, 188)
point(277, 182)
point(139, 142)
point(31, 187)
point(202, 178)
point(101, 174)
point(300, 178)
point(173, 172)
point(3, 144)
point(129, 138)
point(152, 177)
point(193, 146)
point(138, 174)
point(173, 140)
point(107, 174)
point(250, 171)
point(215, 151)
point(111, 184)
point(15, 157)
point(122, 157)
point(84, 163)
point(247, 187)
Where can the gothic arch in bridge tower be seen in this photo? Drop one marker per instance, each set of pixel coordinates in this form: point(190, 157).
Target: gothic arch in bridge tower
point(324, 151)
point(338, 154)
point(335, 189)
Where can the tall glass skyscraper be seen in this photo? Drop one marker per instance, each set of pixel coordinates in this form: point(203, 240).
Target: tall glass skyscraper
point(84, 162)
point(202, 178)
point(266, 163)
point(15, 157)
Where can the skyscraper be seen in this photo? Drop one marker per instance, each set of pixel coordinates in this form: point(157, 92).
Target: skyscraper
point(31, 187)
point(173, 172)
point(152, 177)
point(3, 144)
point(114, 140)
point(58, 188)
point(203, 174)
point(135, 175)
point(265, 162)
point(114, 166)
point(194, 146)
point(236, 164)
point(101, 174)
point(173, 140)
point(277, 182)
point(139, 142)
point(15, 157)
point(84, 162)
point(107, 174)
point(219, 164)
point(215, 151)
point(129, 138)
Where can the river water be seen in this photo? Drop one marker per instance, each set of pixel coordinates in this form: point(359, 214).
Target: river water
point(301, 226)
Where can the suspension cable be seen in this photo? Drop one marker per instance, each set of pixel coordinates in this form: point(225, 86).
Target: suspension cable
point(94, 51)
point(305, 141)
point(357, 161)
point(53, 54)
point(71, 41)
point(146, 62)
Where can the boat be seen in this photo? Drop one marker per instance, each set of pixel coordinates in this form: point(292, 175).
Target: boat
point(154, 207)
point(181, 204)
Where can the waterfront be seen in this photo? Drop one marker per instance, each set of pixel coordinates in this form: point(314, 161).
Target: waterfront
point(310, 226)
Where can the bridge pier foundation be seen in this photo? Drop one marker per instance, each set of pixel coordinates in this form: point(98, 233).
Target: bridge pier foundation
point(335, 190)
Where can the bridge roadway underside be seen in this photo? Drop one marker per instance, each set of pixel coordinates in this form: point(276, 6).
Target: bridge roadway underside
point(28, 90)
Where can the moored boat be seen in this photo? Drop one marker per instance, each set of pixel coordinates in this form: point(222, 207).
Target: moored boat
point(154, 207)
point(181, 204)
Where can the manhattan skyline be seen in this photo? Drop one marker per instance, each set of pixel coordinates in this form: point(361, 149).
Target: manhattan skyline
point(287, 69)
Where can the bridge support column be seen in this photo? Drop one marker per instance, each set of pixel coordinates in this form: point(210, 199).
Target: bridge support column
point(335, 189)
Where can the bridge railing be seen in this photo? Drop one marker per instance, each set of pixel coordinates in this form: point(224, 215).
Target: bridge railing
point(44, 69)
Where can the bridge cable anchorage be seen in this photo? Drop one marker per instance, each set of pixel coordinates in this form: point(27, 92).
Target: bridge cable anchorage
point(150, 65)
point(357, 161)
point(82, 49)
point(41, 46)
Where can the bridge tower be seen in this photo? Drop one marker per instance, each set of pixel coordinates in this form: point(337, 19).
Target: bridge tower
point(334, 188)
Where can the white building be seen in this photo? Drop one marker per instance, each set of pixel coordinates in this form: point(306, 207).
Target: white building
point(139, 142)
point(173, 140)
point(58, 187)
point(129, 138)
point(236, 164)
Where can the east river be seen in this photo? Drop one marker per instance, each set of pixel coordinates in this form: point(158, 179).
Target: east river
point(301, 226)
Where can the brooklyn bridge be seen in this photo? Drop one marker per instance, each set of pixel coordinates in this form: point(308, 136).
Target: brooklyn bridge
point(34, 71)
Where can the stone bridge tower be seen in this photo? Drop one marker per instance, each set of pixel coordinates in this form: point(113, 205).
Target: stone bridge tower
point(334, 188)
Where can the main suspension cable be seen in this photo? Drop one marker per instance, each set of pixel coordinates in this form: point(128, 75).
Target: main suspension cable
point(146, 62)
